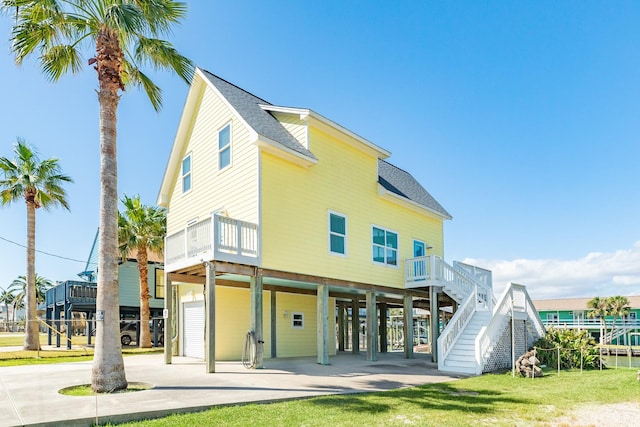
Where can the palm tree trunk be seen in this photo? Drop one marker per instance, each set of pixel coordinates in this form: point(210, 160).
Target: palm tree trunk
point(31, 338)
point(143, 269)
point(108, 366)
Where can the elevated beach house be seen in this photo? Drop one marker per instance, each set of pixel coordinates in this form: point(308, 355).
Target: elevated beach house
point(286, 224)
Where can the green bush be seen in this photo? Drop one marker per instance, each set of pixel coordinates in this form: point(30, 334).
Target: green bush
point(574, 345)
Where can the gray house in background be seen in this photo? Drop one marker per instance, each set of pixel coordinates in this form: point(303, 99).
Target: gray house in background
point(71, 305)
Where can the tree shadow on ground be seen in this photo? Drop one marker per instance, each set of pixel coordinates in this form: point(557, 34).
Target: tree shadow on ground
point(432, 397)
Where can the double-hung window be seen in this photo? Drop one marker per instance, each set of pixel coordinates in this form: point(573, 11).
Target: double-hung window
point(224, 147)
point(159, 283)
point(337, 234)
point(186, 173)
point(385, 246)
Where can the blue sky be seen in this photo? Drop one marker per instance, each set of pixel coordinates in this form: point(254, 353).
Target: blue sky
point(521, 118)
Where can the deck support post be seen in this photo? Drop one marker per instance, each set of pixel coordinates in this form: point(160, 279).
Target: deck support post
point(407, 327)
point(68, 321)
point(257, 318)
point(383, 327)
point(341, 326)
point(88, 329)
point(355, 326)
point(274, 324)
point(372, 327)
point(435, 322)
point(322, 320)
point(210, 318)
point(168, 319)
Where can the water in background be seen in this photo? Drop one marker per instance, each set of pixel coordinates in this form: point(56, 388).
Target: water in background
point(622, 361)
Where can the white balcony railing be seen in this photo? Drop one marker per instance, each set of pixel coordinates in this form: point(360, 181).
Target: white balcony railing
point(216, 238)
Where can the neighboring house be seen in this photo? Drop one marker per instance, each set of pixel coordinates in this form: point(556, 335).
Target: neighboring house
point(294, 224)
point(572, 313)
point(72, 303)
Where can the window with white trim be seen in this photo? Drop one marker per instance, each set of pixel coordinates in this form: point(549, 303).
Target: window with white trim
point(385, 246)
point(297, 320)
point(337, 234)
point(159, 283)
point(186, 173)
point(224, 147)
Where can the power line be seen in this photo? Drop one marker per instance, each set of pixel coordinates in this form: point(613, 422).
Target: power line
point(43, 252)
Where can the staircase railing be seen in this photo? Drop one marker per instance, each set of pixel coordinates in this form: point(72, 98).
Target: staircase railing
point(456, 325)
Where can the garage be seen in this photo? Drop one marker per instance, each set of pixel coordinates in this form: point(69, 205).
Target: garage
point(193, 329)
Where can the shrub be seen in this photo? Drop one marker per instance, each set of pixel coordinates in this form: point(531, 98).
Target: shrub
point(573, 345)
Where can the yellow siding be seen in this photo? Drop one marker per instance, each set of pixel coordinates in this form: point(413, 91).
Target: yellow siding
point(293, 342)
point(295, 205)
point(295, 126)
point(235, 189)
point(233, 318)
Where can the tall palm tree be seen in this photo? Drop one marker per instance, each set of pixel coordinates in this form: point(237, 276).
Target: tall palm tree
point(6, 298)
point(124, 34)
point(598, 309)
point(618, 308)
point(39, 184)
point(141, 229)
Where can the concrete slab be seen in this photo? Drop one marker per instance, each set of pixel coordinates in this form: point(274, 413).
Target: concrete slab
point(29, 394)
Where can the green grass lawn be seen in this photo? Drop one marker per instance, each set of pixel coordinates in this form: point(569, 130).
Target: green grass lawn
point(491, 400)
point(22, 357)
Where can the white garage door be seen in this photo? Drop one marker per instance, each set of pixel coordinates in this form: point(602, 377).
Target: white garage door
point(193, 328)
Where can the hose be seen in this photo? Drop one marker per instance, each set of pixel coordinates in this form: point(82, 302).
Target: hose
point(249, 352)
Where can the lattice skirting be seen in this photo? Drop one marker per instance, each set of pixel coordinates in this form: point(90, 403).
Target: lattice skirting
point(501, 357)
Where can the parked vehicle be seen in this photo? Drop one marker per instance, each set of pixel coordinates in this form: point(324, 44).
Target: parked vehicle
point(128, 333)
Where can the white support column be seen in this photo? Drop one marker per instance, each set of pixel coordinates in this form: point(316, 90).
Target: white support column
point(168, 319)
point(210, 318)
point(372, 327)
point(435, 322)
point(257, 318)
point(323, 324)
point(407, 311)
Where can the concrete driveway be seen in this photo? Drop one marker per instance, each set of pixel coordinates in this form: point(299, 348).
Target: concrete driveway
point(29, 394)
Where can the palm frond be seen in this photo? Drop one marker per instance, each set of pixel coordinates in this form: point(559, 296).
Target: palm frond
point(162, 55)
point(58, 60)
point(161, 14)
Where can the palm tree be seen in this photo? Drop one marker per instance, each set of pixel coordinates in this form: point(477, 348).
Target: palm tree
point(124, 34)
point(140, 229)
point(19, 287)
point(39, 184)
point(6, 298)
point(618, 308)
point(599, 309)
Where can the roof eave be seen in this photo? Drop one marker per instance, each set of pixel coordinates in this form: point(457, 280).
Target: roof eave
point(403, 201)
point(277, 149)
point(179, 141)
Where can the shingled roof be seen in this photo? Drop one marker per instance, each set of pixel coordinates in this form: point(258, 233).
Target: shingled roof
point(401, 183)
point(248, 107)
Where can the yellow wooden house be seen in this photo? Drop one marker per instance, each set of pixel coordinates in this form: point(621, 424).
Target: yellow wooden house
point(286, 224)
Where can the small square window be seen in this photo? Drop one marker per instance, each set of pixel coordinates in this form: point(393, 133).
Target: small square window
point(297, 320)
point(384, 246)
point(224, 147)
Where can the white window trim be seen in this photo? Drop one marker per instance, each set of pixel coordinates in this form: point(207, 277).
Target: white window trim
point(346, 233)
point(385, 255)
point(293, 319)
point(229, 146)
point(182, 175)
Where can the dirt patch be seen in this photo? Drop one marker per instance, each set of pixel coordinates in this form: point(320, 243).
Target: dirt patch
point(615, 414)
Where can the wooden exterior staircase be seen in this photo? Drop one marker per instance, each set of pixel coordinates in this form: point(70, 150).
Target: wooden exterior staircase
point(467, 343)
